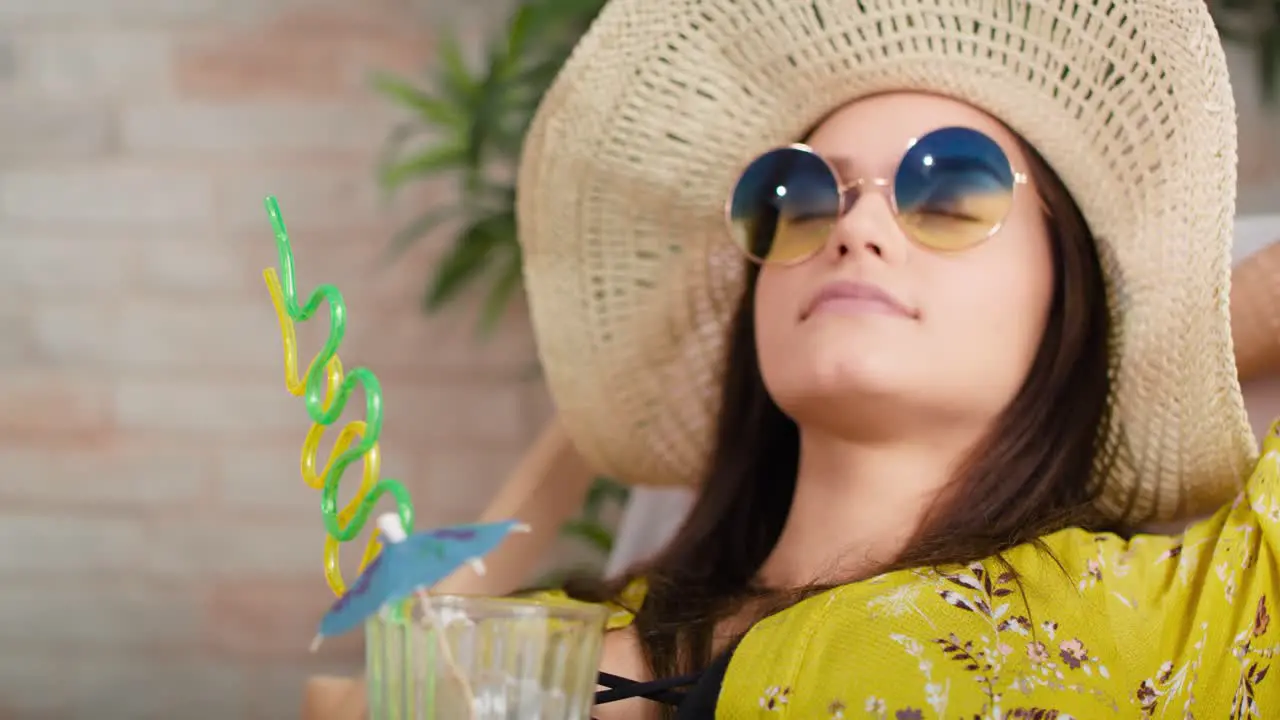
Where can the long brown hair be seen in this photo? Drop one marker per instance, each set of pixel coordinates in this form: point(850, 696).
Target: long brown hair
point(1031, 476)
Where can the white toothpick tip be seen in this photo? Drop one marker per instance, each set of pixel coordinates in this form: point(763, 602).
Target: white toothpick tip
point(315, 643)
point(392, 530)
point(521, 528)
point(478, 566)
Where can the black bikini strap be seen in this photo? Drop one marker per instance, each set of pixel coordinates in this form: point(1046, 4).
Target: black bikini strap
point(662, 691)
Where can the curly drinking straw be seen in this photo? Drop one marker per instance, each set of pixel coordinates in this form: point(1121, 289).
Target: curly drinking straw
point(326, 391)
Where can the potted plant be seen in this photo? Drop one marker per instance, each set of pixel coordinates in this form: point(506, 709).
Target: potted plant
point(476, 119)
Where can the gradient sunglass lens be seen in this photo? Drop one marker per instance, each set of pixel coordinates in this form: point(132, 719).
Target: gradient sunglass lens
point(953, 188)
point(784, 206)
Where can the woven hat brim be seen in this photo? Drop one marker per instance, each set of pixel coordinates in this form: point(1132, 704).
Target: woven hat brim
point(631, 280)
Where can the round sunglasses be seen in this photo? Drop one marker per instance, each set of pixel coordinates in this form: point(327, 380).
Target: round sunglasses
point(952, 189)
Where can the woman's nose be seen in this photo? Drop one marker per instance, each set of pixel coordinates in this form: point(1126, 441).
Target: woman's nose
point(869, 227)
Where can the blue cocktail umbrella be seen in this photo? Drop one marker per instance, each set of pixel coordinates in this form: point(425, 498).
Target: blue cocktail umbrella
point(409, 565)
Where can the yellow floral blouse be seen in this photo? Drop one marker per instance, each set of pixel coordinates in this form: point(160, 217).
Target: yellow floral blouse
point(1156, 627)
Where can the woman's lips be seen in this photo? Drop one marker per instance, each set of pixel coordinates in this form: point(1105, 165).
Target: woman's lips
point(844, 297)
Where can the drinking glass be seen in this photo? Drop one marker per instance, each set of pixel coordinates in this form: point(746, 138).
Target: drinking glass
point(453, 657)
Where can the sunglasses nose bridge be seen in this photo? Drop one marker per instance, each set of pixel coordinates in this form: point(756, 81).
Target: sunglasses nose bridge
point(866, 226)
point(852, 192)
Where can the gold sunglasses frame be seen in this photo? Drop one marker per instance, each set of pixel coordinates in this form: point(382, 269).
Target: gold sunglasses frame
point(885, 185)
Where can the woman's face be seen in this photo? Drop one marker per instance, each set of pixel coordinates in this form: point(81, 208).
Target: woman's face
point(962, 330)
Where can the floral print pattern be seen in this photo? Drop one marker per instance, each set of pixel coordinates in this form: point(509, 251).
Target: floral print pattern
point(1153, 627)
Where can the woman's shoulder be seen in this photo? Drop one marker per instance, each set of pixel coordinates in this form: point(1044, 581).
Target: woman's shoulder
point(1085, 623)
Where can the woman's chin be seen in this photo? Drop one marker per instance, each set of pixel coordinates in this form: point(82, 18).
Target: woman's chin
point(841, 366)
point(847, 365)
point(865, 376)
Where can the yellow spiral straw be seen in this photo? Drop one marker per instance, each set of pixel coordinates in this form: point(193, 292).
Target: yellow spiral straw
point(325, 391)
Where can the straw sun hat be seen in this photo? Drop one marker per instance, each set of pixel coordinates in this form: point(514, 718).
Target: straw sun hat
point(632, 280)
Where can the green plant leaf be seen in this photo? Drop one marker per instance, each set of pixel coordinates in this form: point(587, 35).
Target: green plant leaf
point(434, 110)
point(482, 112)
point(592, 533)
point(504, 288)
point(468, 258)
point(612, 490)
point(419, 227)
point(392, 147)
point(488, 112)
point(524, 22)
point(498, 196)
point(537, 77)
point(445, 157)
point(456, 79)
point(603, 491)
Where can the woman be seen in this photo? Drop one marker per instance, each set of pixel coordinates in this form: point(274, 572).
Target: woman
point(948, 353)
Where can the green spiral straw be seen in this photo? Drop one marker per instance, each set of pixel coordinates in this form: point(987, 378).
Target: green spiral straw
point(325, 391)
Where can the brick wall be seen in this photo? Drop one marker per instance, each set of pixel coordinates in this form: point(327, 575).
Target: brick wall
point(162, 558)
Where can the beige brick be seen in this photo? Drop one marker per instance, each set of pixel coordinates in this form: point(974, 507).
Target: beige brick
point(344, 258)
point(19, 345)
point(140, 476)
point(275, 690)
point(255, 66)
point(106, 194)
point(322, 197)
point(273, 618)
point(119, 614)
point(64, 264)
point(177, 547)
point(32, 129)
point(141, 686)
point(446, 342)
point(8, 61)
point(228, 544)
point(263, 478)
point(234, 407)
point(254, 128)
point(456, 412)
point(32, 681)
point(90, 64)
point(228, 333)
point(195, 264)
point(246, 546)
point(71, 544)
point(269, 478)
point(53, 406)
point(20, 11)
point(145, 460)
point(462, 483)
point(76, 334)
point(308, 52)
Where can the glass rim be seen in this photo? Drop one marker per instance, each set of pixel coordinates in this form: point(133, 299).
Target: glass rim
point(499, 607)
